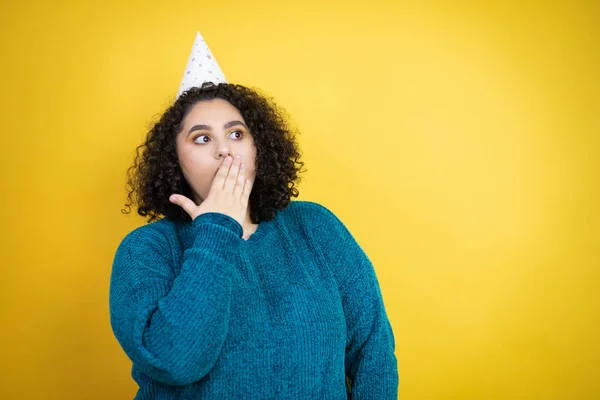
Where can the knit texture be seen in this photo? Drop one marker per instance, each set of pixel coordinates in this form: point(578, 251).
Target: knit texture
point(294, 312)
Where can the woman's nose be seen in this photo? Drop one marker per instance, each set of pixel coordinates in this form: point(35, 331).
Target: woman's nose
point(224, 152)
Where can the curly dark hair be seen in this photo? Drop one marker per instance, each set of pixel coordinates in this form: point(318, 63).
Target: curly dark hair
point(155, 174)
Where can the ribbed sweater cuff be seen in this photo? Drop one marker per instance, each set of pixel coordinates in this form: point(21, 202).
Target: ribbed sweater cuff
point(214, 225)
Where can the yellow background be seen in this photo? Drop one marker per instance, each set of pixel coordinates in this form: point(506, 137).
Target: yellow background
point(457, 140)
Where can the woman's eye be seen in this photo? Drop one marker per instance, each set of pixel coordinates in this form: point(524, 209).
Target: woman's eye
point(202, 140)
point(239, 134)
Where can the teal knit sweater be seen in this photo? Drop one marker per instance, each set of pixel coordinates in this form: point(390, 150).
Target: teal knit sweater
point(294, 312)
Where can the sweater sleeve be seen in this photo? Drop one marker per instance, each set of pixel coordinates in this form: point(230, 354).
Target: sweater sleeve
point(371, 364)
point(173, 327)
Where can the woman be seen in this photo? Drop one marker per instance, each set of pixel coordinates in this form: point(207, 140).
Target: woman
point(238, 292)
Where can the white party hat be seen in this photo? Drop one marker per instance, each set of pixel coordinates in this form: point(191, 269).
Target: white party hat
point(201, 67)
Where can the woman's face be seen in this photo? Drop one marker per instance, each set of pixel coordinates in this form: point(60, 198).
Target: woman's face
point(212, 130)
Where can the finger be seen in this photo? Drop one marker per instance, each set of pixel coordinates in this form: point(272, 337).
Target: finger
point(183, 202)
point(246, 193)
point(221, 174)
point(241, 180)
point(233, 174)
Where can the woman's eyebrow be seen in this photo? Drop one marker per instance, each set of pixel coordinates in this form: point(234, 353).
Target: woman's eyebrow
point(234, 123)
point(208, 127)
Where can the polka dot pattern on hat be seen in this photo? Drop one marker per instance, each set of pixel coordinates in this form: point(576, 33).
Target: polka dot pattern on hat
point(201, 67)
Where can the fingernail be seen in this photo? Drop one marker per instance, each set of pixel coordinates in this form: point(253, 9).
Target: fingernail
point(237, 156)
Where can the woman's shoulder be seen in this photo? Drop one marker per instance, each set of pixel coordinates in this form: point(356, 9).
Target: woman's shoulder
point(154, 234)
point(316, 215)
point(325, 229)
point(309, 208)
